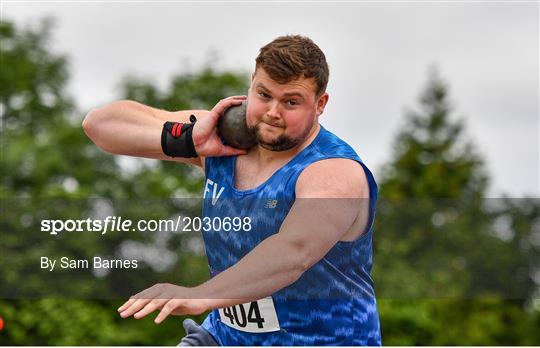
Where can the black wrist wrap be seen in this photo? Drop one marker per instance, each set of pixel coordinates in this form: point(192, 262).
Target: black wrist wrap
point(177, 139)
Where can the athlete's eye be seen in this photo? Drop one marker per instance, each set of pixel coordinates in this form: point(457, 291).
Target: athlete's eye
point(264, 95)
point(291, 102)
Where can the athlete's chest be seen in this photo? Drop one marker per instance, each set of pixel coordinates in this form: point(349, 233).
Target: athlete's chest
point(248, 175)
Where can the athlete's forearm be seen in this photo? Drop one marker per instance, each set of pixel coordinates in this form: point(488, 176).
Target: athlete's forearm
point(127, 127)
point(124, 127)
point(272, 265)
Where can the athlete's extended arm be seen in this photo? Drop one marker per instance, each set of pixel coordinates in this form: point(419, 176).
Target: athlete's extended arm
point(329, 193)
point(129, 128)
point(329, 196)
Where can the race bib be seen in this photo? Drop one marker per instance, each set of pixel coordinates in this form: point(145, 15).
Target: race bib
point(256, 317)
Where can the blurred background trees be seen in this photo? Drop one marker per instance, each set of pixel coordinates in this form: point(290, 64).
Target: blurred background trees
point(451, 267)
point(50, 169)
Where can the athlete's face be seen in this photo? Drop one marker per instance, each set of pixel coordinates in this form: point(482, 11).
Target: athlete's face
point(282, 115)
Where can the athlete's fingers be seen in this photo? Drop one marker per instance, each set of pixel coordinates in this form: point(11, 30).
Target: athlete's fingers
point(232, 151)
point(226, 103)
point(135, 307)
point(167, 309)
point(231, 100)
point(127, 304)
point(150, 307)
point(139, 300)
point(132, 299)
point(242, 97)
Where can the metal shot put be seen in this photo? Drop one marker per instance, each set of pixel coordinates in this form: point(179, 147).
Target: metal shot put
point(298, 271)
point(233, 129)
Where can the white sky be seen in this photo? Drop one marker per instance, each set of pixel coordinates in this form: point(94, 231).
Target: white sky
point(379, 54)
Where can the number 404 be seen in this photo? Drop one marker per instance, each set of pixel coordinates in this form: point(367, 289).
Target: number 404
point(237, 314)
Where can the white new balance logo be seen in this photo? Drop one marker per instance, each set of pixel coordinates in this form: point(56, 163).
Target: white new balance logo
point(272, 203)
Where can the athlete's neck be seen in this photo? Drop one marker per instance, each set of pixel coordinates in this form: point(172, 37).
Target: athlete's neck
point(264, 156)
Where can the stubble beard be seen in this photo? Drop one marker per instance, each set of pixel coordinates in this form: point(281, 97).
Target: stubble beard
point(282, 142)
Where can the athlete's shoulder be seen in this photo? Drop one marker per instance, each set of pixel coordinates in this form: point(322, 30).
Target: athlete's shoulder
point(335, 170)
point(333, 178)
point(331, 145)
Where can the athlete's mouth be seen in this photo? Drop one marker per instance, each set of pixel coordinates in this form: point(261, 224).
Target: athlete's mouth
point(273, 125)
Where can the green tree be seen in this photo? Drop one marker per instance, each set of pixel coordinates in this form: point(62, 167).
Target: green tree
point(432, 158)
point(439, 260)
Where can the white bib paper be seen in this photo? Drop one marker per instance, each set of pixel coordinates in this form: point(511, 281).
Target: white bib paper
point(256, 317)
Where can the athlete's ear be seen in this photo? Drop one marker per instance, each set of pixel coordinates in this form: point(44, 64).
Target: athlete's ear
point(251, 83)
point(321, 103)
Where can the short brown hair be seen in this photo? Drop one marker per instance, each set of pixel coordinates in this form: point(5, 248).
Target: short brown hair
point(290, 57)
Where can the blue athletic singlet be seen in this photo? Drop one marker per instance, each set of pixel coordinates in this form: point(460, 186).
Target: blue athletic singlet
point(332, 303)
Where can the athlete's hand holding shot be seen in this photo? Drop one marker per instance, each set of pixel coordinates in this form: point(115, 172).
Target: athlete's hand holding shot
point(301, 274)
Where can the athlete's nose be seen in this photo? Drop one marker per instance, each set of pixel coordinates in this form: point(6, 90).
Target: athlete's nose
point(274, 113)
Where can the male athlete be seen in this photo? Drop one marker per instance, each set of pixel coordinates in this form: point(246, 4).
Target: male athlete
point(298, 271)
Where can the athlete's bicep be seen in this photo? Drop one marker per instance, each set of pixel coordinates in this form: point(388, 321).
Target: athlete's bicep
point(329, 196)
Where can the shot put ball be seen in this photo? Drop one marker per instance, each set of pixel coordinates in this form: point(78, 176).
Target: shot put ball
point(233, 130)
